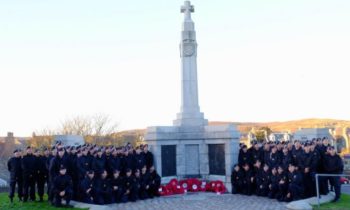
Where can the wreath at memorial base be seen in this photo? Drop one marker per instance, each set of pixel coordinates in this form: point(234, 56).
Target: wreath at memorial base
point(175, 187)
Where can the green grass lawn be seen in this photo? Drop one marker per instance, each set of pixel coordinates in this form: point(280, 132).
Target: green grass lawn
point(343, 204)
point(6, 205)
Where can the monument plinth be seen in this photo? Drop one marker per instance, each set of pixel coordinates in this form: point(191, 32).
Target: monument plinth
point(191, 148)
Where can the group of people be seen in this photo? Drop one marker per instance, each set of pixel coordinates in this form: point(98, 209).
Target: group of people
point(286, 170)
point(108, 174)
point(88, 173)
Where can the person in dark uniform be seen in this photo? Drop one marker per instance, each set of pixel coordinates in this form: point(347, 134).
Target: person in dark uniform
point(28, 170)
point(308, 169)
point(244, 156)
point(72, 170)
point(99, 163)
point(322, 147)
point(62, 188)
point(145, 184)
point(237, 179)
point(148, 156)
point(333, 164)
point(87, 188)
point(248, 180)
point(83, 164)
point(137, 183)
point(295, 186)
point(15, 169)
point(273, 183)
point(257, 171)
point(41, 173)
point(49, 163)
point(297, 153)
point(108, 159)
point(280, 146)
point(114, 162)
point(117, 182)
point(57, 162)
point(262, 186)
point(139, 159)
point(282, 184)
point(130, 186)
point(266, 153)
point(316, 157)
point(286, 158)
point(154, 182)
point(128, 160)
point(256, 153)
point(273, 159)
point(103, 193)
point(47, 156)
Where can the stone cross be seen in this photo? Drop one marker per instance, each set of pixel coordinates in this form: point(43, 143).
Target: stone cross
point(187, 8)
point(190, 114)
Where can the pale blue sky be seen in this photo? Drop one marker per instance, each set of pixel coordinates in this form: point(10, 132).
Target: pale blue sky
point(258, 60)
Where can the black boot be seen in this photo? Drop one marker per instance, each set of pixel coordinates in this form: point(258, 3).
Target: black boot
point(335, 200)
point(11, 199)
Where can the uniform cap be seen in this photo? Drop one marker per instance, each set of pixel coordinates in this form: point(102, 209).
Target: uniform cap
point(330, 147)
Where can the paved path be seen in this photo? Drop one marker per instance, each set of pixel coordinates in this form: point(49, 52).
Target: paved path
point(345, 189)
point(199, 201)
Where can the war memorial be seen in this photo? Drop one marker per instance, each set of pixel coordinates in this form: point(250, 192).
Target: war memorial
point(191, 147)
point(189, 165)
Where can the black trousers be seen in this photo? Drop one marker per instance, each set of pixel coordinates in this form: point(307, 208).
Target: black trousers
point(295, 191)
point(273, 191)
point(153, 190)
point(309, 185)
point(237, 188)
point(67, 196)
point(76, 195)
point(16, 180)
point(103, 198)
point(40, 184)
point(323, 183)
point(28, 187)
point(248, 188)
point(335, 182)
point(282, 191)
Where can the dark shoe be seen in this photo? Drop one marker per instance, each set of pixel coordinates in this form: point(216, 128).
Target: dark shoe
point(287, 199)
point(41, 199)
point(280, 199)
point(11, 200)
point(335, 200)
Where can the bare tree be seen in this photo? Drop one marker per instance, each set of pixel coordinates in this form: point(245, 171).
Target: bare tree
point(103, 125)
point(96, 126)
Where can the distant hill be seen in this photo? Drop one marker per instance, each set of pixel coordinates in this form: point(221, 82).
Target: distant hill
point(289, 125)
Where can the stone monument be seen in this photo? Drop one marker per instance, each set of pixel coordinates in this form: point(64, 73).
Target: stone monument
point(192, 148)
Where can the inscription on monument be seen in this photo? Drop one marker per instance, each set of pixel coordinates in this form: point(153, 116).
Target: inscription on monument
point(192, 159)
point(216, 154)
point(168, 160)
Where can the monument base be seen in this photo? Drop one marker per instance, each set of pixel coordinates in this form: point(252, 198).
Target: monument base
point(206, 152)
